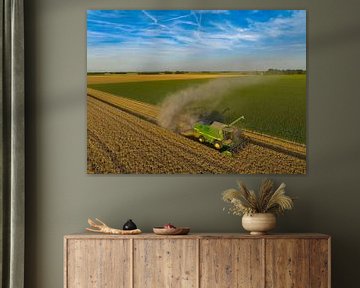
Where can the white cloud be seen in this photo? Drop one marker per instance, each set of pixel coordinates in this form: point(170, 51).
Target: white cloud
point(278, 26)
point(178, 17)
point(112, 25)
point(175, 45)
point(225, 12)
point(147, 14)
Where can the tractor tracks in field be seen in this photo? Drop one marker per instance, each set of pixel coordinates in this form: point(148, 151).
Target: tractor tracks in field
point(281, 145)
point(119, 142)
point(144, 146)
point(150, 113)
point(143, 110)
point(150, 142)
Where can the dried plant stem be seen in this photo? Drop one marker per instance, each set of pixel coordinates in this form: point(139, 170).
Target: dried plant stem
point(245, 201)
point(101, 227)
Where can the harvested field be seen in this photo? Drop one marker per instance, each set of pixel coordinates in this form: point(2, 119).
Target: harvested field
point(274, 104)
point(124, 78)
point(151, 112)
point(119, 142)
point(144, 110)
point(276, 143)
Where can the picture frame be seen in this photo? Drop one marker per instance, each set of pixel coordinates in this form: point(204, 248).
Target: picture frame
point(196, 92)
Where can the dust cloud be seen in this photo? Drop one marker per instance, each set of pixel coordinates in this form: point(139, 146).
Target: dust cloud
point(179, 111)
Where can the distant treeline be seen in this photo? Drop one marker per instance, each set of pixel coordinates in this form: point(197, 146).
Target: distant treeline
point(162, 72)
point(151, 72)
point(287, 71)
point(268, 72)
point(108, 73)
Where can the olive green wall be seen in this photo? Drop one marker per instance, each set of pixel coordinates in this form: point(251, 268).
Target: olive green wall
point(60, 195)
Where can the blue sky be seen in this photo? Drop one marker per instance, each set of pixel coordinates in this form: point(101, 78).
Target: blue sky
point(195, 40)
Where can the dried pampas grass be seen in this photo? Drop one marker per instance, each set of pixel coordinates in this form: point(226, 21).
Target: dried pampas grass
point(267, 200)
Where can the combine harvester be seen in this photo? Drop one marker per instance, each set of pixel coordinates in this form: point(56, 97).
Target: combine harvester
point(224, 137)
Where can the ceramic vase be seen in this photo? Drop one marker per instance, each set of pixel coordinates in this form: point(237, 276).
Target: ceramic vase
point(259, 223)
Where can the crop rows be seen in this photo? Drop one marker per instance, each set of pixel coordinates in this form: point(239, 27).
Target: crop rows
point(151, 112)
point(276, 143)
point(148, 111)
point(273, 105)
point(119, 142)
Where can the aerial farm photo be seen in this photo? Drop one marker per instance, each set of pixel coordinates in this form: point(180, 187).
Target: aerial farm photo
point(196, 92)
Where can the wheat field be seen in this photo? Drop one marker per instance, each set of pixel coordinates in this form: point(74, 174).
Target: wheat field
point(122, 143)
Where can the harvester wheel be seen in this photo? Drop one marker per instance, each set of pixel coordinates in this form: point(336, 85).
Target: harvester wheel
point(227, 153)
point(201, 139)
point(217, 145)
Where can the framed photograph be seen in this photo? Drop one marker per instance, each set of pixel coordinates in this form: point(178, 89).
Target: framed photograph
point(196, 91)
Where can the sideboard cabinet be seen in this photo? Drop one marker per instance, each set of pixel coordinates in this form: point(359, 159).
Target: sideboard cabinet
point(197, 261)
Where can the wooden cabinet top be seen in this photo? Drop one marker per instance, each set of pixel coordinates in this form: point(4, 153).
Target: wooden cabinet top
point(199, 236)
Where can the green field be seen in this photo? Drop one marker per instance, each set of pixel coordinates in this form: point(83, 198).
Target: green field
point(152, 92)
point(276, 107)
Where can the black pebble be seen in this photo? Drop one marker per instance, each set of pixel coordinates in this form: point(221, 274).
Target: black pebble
point(129, 225)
